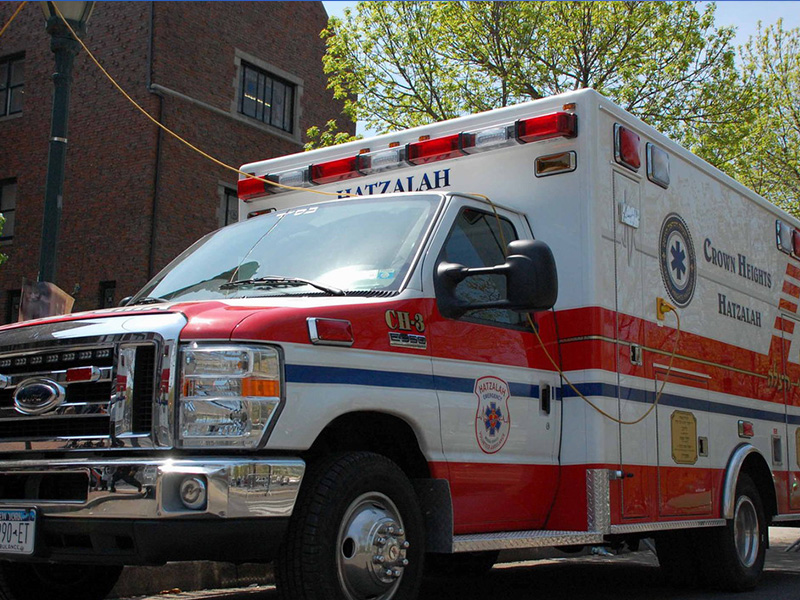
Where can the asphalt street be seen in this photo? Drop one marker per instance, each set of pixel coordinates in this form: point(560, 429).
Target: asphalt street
point(631, 576)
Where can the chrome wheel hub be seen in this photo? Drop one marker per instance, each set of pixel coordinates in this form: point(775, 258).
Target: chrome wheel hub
point(371, 548)
point(746, 533)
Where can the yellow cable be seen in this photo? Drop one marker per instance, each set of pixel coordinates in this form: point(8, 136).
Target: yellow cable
point(175, 135)
point(666, 308)
point(14, 16)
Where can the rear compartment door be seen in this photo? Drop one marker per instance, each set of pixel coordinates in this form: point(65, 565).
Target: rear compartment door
point(638, 452)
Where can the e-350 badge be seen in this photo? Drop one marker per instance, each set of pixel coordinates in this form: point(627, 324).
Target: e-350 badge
point(493, 419)
point(678, 266)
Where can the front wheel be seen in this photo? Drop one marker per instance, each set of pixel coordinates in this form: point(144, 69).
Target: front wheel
point(29, 581)
point(356, 533)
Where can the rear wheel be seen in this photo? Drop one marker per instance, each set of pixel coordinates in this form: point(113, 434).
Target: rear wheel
point(356, 533)
point(29, 581)
point(742, 543)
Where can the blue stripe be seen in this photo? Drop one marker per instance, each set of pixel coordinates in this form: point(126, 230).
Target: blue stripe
point(391, 379)
point(394, 379)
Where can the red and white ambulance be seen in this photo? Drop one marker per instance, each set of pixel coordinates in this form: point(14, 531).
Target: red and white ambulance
point(544, 325)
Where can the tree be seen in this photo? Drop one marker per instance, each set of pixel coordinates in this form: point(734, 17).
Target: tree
point(330, 136)
point(403, 64)
point(768, 156)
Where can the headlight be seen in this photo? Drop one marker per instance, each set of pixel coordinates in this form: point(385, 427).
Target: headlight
point(229, 395)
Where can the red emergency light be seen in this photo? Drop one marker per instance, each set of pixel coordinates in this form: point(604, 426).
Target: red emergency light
point(545, 127)
point(330, 332)
point(76, 374)
point(336, 170)
point(250, 188)
point(428, 151)
point(626, 147)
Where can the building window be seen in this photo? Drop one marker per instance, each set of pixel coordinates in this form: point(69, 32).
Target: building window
point(231, 206)
point(266, 97)
point(12, 305)
point(107, 291)
point(12, 84)
point(8, 206)
point(228, 211)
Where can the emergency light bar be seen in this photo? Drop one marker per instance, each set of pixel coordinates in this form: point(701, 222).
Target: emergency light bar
point(424, 151)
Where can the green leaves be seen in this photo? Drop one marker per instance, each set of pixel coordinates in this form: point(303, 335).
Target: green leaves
point(768, 158)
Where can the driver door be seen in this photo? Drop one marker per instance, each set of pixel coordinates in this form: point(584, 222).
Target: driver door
point(500, 420)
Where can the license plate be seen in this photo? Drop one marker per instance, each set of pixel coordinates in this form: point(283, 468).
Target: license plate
point(17, 530)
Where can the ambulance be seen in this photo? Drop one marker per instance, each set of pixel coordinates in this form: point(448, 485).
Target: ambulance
point(545, 325)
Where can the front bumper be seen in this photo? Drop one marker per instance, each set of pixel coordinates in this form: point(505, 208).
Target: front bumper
point(130, 511)
point(149, 489)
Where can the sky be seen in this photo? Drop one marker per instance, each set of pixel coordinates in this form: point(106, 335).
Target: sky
point(744, 15)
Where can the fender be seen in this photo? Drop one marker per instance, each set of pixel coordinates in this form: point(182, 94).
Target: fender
point(732, 476)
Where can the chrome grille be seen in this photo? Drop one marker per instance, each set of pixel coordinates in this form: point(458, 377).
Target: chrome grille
point(85, 410)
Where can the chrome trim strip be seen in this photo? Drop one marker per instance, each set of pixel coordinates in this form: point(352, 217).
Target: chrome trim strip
point(150, 489)
point(515, 540)
point(665, 526)
point(699, 361)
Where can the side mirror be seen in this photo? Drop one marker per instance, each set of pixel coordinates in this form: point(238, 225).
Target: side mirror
point(125, 301)
point(531, 281)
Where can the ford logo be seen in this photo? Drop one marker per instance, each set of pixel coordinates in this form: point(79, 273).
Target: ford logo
point(37, 396)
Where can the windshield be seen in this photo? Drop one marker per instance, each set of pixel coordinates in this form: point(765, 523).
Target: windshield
point(348, 246)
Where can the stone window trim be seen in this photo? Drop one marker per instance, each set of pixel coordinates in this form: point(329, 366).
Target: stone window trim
point(241, 56)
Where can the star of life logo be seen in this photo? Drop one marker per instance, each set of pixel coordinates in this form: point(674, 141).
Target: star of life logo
point(493, 419)
point(678, 266)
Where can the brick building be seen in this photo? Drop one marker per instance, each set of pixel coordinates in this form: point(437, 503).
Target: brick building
point(241, 80)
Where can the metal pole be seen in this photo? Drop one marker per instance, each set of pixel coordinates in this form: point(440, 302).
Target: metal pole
point(64, 47)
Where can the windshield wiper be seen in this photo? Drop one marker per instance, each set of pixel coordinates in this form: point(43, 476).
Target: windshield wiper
point(148, 300)
point(275, 281)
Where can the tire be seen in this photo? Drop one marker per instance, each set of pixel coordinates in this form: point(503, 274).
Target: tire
point(356, 533)
point(740, 546)
point(463, 564)
point(34, 581)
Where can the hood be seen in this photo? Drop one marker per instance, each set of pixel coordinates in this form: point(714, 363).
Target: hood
point(272, 318)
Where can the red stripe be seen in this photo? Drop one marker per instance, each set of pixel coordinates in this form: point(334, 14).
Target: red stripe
point(793, 271)
point(787, 306)
point(784, 325)
point(791, 289)
point(503, 497)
